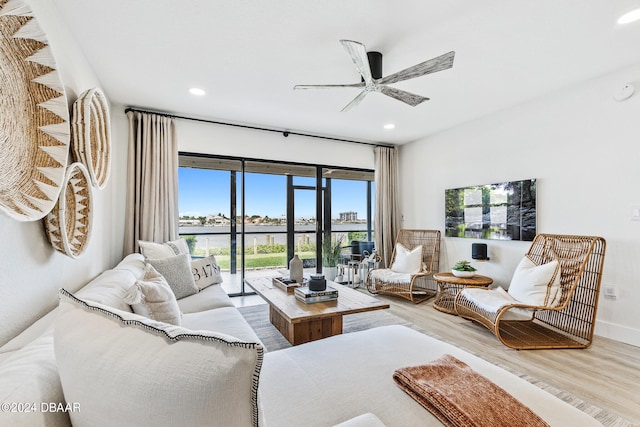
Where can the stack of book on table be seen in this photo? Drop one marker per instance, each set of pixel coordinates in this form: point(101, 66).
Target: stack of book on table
point(308, 296)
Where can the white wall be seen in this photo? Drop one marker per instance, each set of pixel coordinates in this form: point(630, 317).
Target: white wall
point(31, 271)
point(583, 148)
point(199, 137)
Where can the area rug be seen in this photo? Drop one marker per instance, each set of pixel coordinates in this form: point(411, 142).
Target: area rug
point(258, 317)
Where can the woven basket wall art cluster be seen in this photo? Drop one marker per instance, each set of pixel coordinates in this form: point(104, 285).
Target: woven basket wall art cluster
point(34, 117)
point(68, 225)
point(91, 135)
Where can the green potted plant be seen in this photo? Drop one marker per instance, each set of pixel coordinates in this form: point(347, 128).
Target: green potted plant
point(463, 269)
point(331, 257)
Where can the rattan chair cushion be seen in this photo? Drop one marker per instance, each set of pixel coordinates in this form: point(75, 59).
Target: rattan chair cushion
point(407, 260)
point(493, 300)
point(535, 284)
point(390, 276)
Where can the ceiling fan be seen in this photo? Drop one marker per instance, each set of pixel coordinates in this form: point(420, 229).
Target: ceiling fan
point(369, 65)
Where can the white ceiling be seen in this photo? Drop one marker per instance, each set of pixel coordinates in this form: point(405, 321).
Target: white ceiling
point(248, 55)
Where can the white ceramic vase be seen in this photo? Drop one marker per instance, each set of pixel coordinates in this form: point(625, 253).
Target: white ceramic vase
point(295, 269)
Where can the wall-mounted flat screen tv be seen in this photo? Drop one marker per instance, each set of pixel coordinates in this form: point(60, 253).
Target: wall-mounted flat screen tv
point(502, 211)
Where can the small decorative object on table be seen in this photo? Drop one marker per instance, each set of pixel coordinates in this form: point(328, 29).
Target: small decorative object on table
point(463, 269)
point(317, 283)
point(308, 296)
point(295, 269)
point(286, 284)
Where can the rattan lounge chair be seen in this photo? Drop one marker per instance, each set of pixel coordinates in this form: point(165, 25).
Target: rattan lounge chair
point(570, 323)
point(416, 287)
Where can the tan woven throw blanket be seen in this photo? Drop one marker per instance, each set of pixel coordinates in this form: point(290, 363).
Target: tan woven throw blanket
point(459, 396)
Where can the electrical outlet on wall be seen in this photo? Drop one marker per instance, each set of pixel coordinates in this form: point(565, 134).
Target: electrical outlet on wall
point(610, 292)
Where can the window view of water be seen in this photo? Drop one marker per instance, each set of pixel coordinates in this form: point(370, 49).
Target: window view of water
point(262, 197)
point(219, 236)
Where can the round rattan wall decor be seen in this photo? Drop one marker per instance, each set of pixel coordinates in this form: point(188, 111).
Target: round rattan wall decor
point(68, 225)
point(91, 136)
point(34, 117)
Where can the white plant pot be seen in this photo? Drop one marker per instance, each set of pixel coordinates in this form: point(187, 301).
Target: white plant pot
point(330, 273)
point(463, 273)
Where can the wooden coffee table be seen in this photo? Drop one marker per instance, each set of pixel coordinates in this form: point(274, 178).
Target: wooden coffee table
point(449, 285)
point(299, 322)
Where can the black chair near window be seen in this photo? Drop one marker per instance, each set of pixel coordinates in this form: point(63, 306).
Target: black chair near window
point(356, 251)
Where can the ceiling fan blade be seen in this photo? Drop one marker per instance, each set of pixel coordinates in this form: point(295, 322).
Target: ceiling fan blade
point(404, 96)
point(442, 62)
point(355, 101)
point(358, 54)
point(327, 86)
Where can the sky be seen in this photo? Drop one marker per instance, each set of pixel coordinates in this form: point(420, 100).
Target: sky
point(205, 192)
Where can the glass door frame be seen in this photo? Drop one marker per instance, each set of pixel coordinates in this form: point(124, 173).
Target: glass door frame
point(323, 208)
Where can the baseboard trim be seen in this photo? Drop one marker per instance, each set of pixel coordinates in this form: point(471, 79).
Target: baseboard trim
point(618, 332)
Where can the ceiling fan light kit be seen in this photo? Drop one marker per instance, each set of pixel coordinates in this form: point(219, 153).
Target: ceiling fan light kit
point(369, 65)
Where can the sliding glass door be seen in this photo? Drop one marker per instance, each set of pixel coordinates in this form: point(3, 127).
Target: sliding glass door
point(254, 215)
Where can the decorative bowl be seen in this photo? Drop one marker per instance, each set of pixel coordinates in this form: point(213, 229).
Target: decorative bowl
point(458, 273)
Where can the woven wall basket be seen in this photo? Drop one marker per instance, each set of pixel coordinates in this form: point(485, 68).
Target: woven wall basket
point(68, 225)
point(34, 117)
point(91, 136)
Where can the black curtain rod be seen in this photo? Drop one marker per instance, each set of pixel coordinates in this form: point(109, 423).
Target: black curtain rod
point(285, 133)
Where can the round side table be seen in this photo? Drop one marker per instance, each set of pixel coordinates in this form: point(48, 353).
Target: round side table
point(449, 285)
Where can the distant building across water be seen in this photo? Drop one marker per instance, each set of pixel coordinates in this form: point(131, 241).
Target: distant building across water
point(348, 216)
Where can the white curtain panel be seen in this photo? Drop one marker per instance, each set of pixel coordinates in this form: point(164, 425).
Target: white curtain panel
point(386, 201)
point(152, 176)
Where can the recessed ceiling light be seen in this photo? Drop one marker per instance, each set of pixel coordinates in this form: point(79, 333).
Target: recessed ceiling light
point(196, 91)
point(389, 126)
point(629, 17)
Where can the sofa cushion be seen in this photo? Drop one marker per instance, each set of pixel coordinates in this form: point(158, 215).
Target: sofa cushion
point(126, 370)
point(177, 271)
point(109, 288)
point(206, 271)
point(226, 320)
point(536, 284)
point(151, 297)
point(154, 250)
point(31, 333)
point(133, 263)
point(206, 299)
point(30, 379)
point(364, 420)
point(347, 375)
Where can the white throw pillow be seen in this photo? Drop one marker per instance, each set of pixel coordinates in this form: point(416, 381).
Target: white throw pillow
point(177, 271)
point(536, 284)
point(154, 250)
point(206, 272)
point(123, 369)
point(152, 297)
point(407, 261)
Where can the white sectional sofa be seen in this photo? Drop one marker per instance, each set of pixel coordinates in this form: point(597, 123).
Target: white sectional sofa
point(99, 342)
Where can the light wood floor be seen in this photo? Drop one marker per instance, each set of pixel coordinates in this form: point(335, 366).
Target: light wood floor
point(605, 375)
